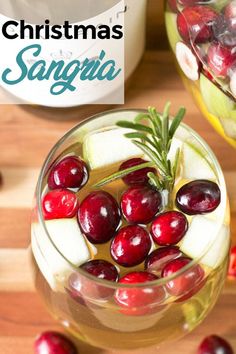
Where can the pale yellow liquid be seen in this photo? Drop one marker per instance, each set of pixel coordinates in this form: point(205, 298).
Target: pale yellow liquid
point(102, 324)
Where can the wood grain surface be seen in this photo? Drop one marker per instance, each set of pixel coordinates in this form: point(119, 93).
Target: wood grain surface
point(26, 135)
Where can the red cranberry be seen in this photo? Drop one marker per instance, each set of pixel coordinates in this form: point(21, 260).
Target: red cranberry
point(70, 172)
point(198, 197)
point(82, 287)
point(173, 5)
point(60, 203)
point(54, 343)
point(220, 59)
point(169, 228)
point(138, 177)
point(131, 246)
point(99, 216)
point(101, 269)
point(232, 263)
point(140, 204)
point(160, 257)
point(195, 23)
point(230, 14)
point(141, 300)
point(186, 284)
point(215, 345)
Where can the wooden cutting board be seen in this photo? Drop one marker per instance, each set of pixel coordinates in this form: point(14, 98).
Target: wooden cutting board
point(26, 135)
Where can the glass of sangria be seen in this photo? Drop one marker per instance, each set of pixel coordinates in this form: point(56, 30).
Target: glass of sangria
point(202, 35)
point(130, 229)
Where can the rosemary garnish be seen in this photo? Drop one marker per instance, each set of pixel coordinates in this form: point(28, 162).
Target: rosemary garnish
point(154, 139)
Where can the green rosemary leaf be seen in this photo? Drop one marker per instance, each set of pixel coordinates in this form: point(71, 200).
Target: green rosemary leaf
point(165, 126)
point(123, 173)
point(139, 127)
point(141, 117)
point(176, 163)
point(156, 118)
point(152, 155)
point(176, 122)
point(140, 136)
point(154, 181)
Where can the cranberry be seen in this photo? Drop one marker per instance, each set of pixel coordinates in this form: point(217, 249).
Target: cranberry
point(173, 5)
point(232, 263)
point(160, 257)
point(60, 203)
point(70, 172)
point(169, 228)
point(230, 14)
point(198, 197)
point(220, 59)
point(224, 33)
point(141, 300)
point(99, 216)
point(131, 246)
point(54, 343)
point(195, 23)
point(215, 345)
point(82, 287)
point(186, 284)
point(138, 177)
point(101, 269)
point(140, 204)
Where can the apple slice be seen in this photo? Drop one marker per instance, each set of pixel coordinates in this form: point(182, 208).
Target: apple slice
point(66, 236)
point(106, 147)
point(195, 165)
point(187, 60)
point(202, 234)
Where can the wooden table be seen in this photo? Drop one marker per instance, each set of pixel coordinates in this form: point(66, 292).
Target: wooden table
point(26, 135)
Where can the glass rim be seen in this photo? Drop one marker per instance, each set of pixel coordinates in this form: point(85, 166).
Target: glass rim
point(77, 269)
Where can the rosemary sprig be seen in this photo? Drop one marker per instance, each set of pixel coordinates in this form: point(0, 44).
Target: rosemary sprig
point(155, 141)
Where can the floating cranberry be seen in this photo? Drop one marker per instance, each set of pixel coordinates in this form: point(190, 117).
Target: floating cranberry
point(156, 260)
point(141, 300)
point(54, 343)
point(70, 172)
point(138, 177)
point(60, 203)
point(215, 345)
point(140, 204)
point(188, 283)
point(169, 228)
point(101, 269)
point(99, 216)
point(198, 197)
point(232, 263)
point(131, 246)
point(195, 23)
point(220, 59)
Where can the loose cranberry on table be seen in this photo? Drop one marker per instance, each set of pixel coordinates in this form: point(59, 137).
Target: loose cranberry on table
point(232, 263)
point(99, 216)
point(140, 204)
point(54, 343)
point(187, 284)
point(195, 23)
point(139, 177)
point(130, 246)
point(215, 345)
point(198, 197)
point(60, 203)
point(220, 59)
point(140, 300)
point(156, 260)
point(89, 288)
point(70, 172)
point(169, 228)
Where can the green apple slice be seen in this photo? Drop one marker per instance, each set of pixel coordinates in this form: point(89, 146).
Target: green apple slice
point(195, 166)
point(68, 239)
point(220, 105)
point(203, 235)
point(106, 147)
